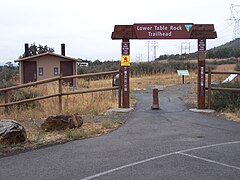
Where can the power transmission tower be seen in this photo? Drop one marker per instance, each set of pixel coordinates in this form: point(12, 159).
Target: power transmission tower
point(155, 45)
point(184, 47)
point(148, 51)
point(235, 16)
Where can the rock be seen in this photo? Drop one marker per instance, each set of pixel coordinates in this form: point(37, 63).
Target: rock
point(116, 80)
point(11, 132)
point(75, 122)
point(62, 122)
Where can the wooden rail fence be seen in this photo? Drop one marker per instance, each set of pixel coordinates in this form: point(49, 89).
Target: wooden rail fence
point(210, 88)
point(60, 93)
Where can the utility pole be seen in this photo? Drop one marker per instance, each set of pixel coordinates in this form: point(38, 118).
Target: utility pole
point(184, 47)
point(155, 45)
point(235, 16)
point(148, 51)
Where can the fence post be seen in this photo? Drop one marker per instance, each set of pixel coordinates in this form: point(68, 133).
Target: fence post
point(209, 87)
point(60, 93)
point(183, 79)
point(6, 109)
point(114, 93)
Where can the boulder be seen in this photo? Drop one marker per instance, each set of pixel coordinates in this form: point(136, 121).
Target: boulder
point(116, 80)
point(11, 132)
point(62, 122)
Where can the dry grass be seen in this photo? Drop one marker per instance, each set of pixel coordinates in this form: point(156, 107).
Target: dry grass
point(88, 129)
point(232, 116)
point(91, 103)
point(161, 79)
point(224, 67)
point(96, 103)
point(38, 137)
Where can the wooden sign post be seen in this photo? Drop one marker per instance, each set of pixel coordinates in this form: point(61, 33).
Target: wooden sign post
point(125, 72)
point(201, 72)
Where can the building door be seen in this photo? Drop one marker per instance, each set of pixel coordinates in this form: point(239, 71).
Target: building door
point(29, 71)
point(66, 69)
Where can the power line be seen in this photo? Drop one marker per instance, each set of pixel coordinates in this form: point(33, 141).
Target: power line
point(235, 9)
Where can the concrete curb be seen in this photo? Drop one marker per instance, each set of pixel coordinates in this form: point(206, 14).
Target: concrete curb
point(202, 110)
point(119, 110)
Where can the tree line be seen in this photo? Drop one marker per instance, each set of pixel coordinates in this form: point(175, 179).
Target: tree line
point(137, 69)
point(215, 53)
point(8, 74)
point(228, 50)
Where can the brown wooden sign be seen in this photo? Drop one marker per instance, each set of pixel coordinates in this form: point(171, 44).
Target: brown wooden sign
point(125, 48)
point(163, 31)
point(201, 45)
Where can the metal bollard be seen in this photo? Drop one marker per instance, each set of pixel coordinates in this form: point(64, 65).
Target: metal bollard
point(155, 105)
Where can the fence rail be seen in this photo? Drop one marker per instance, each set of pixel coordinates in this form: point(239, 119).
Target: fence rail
point(210, 88)
point(60, 93)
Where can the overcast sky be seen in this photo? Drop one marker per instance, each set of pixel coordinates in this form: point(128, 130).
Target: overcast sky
point(86, 26)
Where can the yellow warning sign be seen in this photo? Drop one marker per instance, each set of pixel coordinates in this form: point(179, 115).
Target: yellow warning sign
point(125, 61)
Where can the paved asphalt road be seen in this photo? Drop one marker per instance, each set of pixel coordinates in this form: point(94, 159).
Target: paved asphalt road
point(170, 143)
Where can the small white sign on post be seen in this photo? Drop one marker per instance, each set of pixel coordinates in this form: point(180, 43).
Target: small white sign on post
point(183, 73)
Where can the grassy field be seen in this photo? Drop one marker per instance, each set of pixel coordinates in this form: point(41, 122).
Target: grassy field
point(95, 103)
point(162, 79)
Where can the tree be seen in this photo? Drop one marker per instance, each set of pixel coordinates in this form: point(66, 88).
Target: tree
point(34, 50)
point(43, 49)
point(9, 64)
point(7, 74)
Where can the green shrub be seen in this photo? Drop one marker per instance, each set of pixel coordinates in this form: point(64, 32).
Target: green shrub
point(150, 68)
point(22, 94)
point(137, 69)
point(223, 100)
point(237, 68)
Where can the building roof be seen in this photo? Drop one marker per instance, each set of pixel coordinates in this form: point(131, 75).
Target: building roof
point(45, 54)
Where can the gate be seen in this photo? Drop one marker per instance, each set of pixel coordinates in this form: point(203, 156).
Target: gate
point(201, 32)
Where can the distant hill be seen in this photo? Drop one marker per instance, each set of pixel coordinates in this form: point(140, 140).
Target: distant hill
point(232, 44)
point(230, 49)
point(227, 50)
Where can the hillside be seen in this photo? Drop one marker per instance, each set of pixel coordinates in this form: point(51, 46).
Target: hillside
point(232, 44)
point(230, 49)
point(227, 50)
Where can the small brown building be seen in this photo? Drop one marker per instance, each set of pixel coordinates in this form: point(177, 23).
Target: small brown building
point(47, 65)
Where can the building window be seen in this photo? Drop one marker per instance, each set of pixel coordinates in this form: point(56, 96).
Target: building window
point(56, 71)
point(41, 71)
